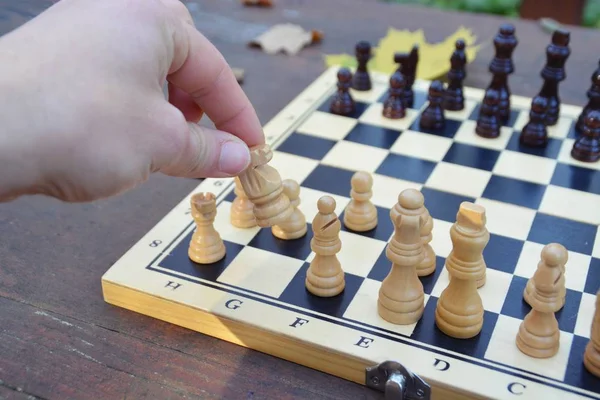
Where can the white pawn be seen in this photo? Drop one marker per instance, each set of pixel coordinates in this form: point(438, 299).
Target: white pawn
point(295, 226)
point(361, 215)
point(562, 261)
point(242, 209)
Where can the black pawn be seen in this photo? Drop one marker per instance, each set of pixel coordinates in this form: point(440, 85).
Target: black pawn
point(393, 107)
point(342, 102)
point(454, 99)
point(587, 147)
point(361, 80)
point(593, 95)
point(432, 118)
point(535, 133)
point(488, 124)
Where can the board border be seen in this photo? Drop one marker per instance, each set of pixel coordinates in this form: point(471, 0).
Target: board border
point(122, 288)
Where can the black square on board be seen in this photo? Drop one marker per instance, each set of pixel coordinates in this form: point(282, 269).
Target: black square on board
point(592, 281)
point(330, 180)
point(359, 108)
point(382, 231)
point(550, 150)
point(297, 294)
point(448, 130)
point(514, 191)
point(575, 236)
point(443, 205)
point(578, 178)
point(472, 156)
point(179, 261)
point(372, 135)
point(514, 114)
point(296, 248)
point(406, 168)
point(502, 253)
point(306, 146)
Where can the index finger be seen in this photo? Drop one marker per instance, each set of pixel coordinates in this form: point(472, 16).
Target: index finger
point(203, 73)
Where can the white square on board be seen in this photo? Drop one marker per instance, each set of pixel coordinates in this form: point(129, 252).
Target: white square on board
point(464, 114)
point(369, 96)
point(386, 190)
point(596, 250)
point(576, 269)
point(493, 293)
point(466, 134)
point(585, 316)
point(291, 166)
point(327, 126)
point(355, 156)
point(507, 219)
point(363, 309)
point(373, 115)
point(440, 242)
point(458, 179)
point(421, 145)
point(261, 271)
point(571, 204)
point(310, 197)
point(229, 232)
point(525, 167)
point(503, 348)
point(358, 254)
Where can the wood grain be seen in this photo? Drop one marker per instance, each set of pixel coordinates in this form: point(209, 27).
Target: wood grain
point(52, 255)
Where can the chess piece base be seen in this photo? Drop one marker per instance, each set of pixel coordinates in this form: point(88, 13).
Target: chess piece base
point(427, 266)
point(206, 254)
point(360, 222)
point(591, 359)
point(400, 312)
point(537, 138)
point(451, 315)
point(541, 344)
point(242, 216)
point(282, 234)
point(325, 277)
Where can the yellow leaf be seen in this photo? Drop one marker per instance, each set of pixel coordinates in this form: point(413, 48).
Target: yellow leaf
point(434, 58)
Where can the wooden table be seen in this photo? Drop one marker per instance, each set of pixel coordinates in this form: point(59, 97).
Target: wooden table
point(58, 338)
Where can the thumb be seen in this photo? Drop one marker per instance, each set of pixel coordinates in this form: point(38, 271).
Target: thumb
point(207, 153)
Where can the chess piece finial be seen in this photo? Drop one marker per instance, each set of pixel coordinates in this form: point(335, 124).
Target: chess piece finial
point(360, 214)
point(535, 132)
point(242, 209)
point(325, 276)
point(206, 245)
point(295, 227)
point(591, 356)
point(401, 295)
point(262, 185)
point(342, 102)
point(539, 334)
point(587, 147)
point(459, 311)
point(412, 202)
point(393, 106)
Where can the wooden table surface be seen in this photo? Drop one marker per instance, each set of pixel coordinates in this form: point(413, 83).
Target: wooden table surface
point(58, 339)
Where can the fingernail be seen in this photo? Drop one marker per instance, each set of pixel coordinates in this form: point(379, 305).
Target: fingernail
point(234, 158)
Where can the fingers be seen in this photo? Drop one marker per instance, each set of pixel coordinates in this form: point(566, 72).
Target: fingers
point(185, 104)
point(201, 71)
point(193, 151)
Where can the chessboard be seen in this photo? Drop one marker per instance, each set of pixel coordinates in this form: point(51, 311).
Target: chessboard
point(255, 294)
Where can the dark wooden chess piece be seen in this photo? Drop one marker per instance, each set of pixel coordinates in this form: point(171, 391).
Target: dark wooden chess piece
point(488, 124)
point(535, 132)
point(587, 147)
point(593, 95)
point(342, 102)
point(393, 107)
point(501, 67)
point(361, 80)
point(408, 63)
point(454, 98)
point(553, 73)
point(432, 118)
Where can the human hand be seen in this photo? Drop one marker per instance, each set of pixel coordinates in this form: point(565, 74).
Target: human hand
point(83, 108)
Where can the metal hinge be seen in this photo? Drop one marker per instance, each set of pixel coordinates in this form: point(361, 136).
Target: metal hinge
point(396, 382)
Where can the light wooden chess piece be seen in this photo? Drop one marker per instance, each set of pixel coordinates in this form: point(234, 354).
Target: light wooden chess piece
point(325, 277)
point(262, 184)
point(206, 246)
point(539, 335)
point(401, 296)
point(361, 215)
point(295, 226)
point(591, 356)
point(412, 202)
point(562, 261)
point(459, 311)
point(242, 209)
